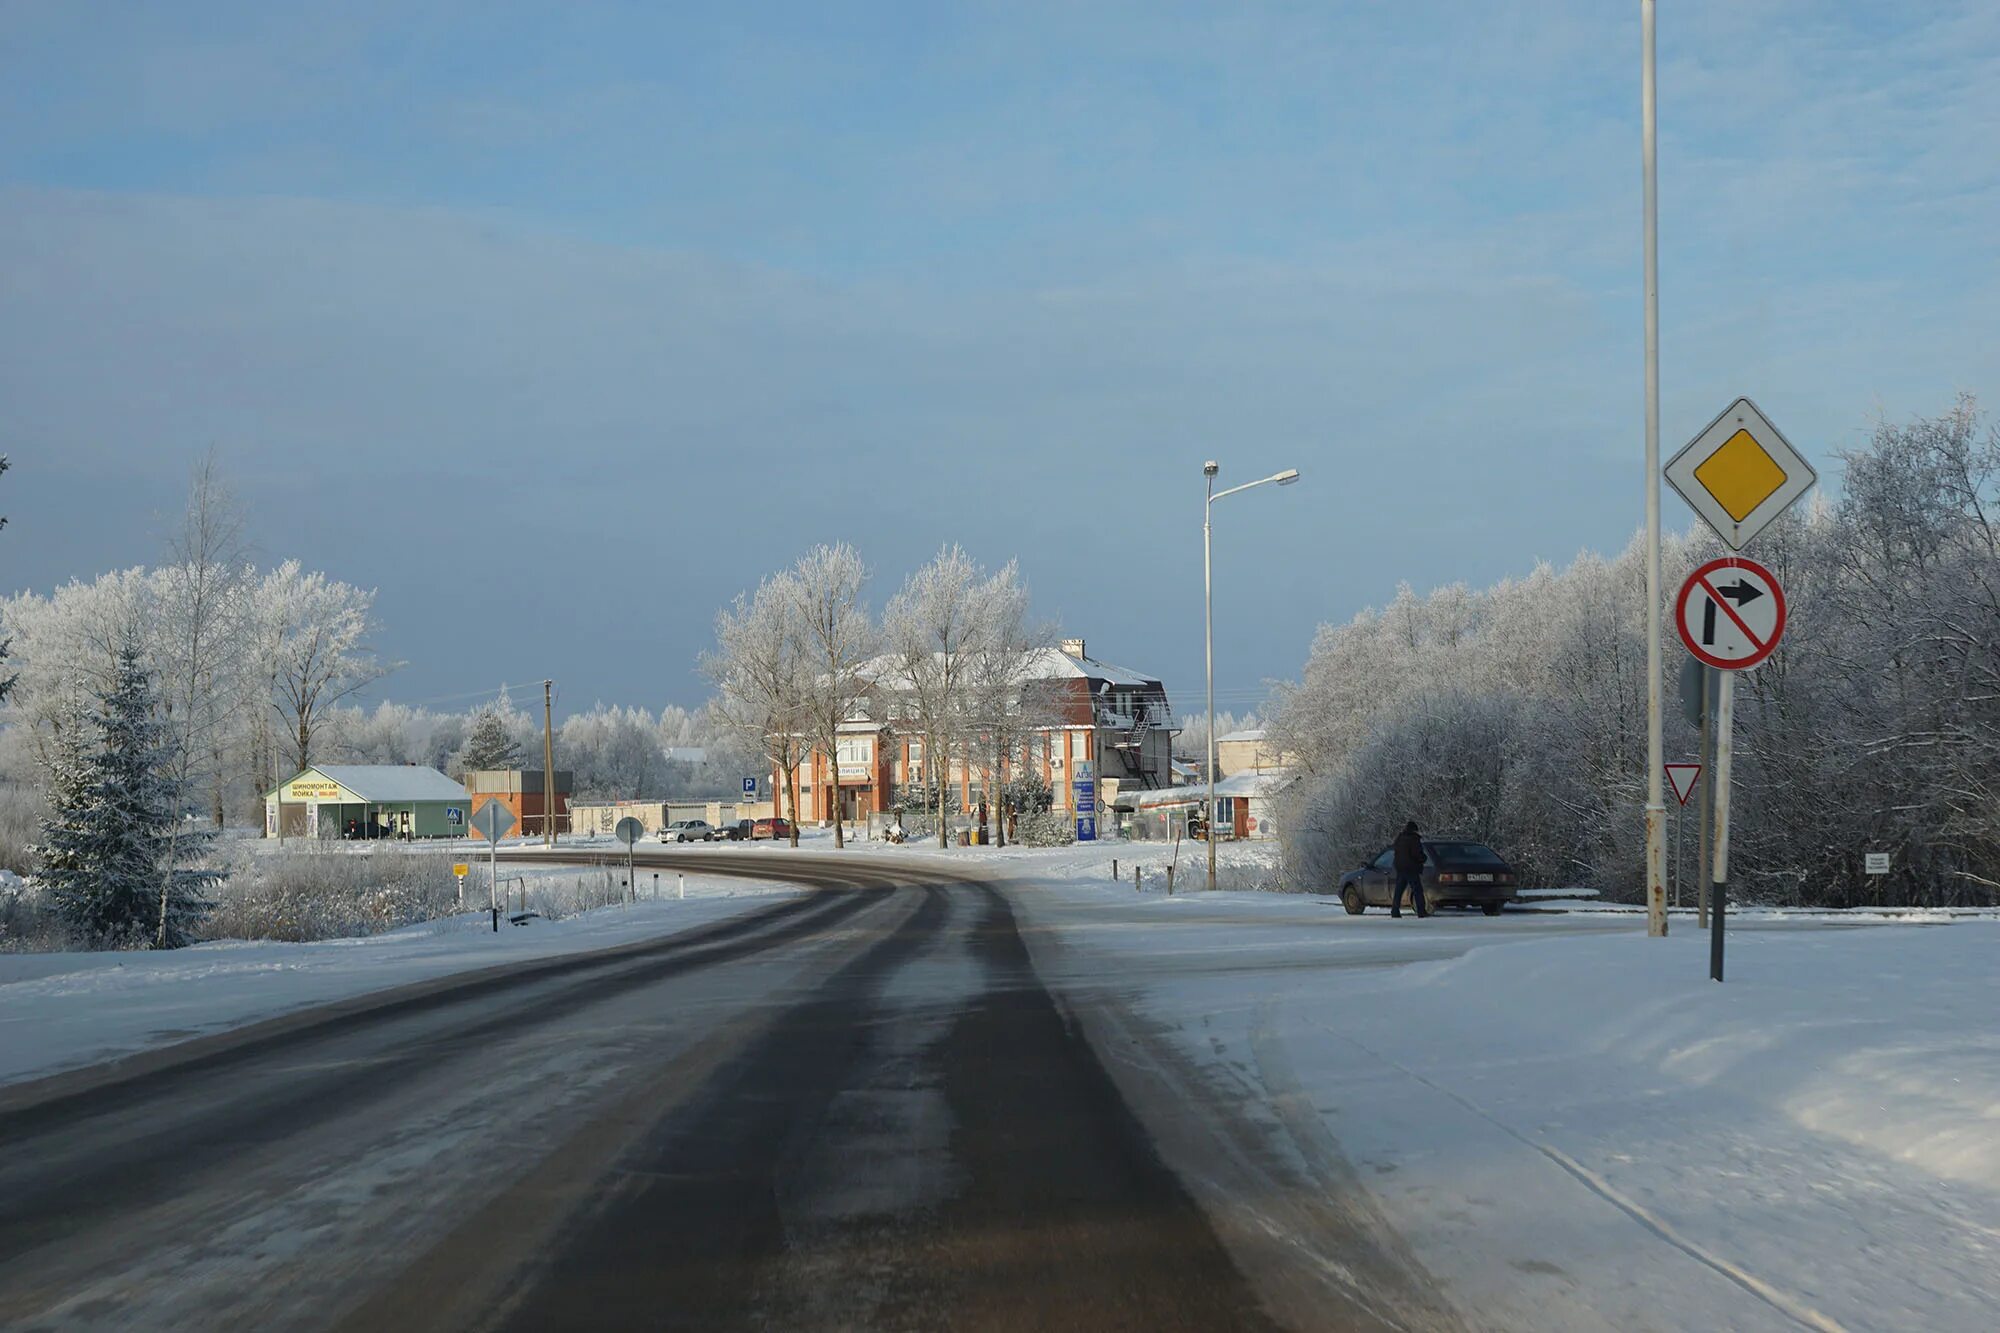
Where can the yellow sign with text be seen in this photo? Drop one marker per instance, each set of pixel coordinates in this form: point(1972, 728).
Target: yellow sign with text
point(312, 789)
point(460, 869)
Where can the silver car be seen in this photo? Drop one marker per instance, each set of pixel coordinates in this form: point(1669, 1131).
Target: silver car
point(688, 830)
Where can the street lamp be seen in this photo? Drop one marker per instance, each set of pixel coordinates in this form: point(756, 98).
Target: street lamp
point(1208, 471)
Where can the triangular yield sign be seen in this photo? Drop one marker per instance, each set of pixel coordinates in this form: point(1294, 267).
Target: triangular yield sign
point(1683, 777)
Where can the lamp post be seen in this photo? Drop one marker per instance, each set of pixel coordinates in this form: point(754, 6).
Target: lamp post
point(1208, 471)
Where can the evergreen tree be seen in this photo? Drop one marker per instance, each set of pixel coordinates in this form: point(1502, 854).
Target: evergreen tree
point(489, 745)
point(114, 847)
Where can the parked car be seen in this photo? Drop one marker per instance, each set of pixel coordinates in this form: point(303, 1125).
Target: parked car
point(688, 830)
point(741, 830)
point(1457, 873)
point(778, 827)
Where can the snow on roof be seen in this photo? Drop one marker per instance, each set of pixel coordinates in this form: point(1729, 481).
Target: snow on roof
point(393, 782)
point(1267, 783)
point(1055, 664)
point(1041, 664)
point(1246, 734)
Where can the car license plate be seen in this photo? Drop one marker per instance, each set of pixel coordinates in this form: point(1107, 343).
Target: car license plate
point(1479, 879)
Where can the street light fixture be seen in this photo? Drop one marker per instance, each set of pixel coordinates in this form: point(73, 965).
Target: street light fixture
point(1208, 471)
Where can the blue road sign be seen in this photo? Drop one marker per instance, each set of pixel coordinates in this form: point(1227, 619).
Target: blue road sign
point(749, 786)
point(454, 815)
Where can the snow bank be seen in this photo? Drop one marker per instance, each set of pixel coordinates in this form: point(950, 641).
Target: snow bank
point(1571, 1126)
point(62, 1010)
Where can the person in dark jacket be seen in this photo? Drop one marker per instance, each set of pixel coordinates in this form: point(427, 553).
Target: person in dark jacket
point(1409, 870)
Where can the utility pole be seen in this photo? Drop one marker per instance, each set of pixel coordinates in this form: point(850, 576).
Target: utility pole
point(1656, 804)
point(548, 763)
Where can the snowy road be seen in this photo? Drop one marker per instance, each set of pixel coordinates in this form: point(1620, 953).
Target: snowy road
point(856, 1108)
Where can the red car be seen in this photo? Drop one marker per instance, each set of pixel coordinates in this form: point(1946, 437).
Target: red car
point(771, 828)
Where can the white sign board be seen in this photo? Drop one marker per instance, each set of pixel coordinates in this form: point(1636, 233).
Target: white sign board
point(1875, 863)
point(1739, 474)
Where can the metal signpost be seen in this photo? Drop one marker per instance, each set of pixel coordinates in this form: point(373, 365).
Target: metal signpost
point(1682, 778)
point(628, 831)
point(1699, 691)
point(1739, 474)
point(1730, 614)
point(493, 821)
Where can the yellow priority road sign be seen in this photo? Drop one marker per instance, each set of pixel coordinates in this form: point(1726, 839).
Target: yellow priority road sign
point(1740, 473)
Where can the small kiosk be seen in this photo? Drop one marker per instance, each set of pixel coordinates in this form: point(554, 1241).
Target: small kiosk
point(343, 801)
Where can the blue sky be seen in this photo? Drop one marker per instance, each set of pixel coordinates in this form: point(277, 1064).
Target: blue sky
point(562, 324)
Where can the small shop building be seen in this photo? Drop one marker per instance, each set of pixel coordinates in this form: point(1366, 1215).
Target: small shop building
point(520, 790)
point(340, 801)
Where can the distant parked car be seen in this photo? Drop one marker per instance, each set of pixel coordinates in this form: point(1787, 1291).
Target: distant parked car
point(1457, 873)
point(741, 830)
point(778, 827)
point(688, 830)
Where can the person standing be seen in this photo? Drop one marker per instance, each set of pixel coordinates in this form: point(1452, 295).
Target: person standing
point(1410, 858)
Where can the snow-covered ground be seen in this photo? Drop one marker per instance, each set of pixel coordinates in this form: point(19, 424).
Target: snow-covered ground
point(1570, 1125)
point(61, 1010)
point(1566, 1123)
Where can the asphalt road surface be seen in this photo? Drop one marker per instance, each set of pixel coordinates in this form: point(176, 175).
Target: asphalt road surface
point(857, 1108)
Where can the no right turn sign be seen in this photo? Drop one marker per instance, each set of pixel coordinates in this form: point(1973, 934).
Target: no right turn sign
point(1731, 613)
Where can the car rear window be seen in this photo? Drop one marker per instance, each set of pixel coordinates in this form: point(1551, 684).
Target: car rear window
point(1465, 854)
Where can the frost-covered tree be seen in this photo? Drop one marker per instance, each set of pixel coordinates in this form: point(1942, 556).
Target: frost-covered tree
point(761, 674)
point(837, 639)
point(932, 625)
point(314, 633)
point(490, 742)
point(1008, 699)
point(201, 647)
point(6, 681)
point(113, 860)
point(1521, 709)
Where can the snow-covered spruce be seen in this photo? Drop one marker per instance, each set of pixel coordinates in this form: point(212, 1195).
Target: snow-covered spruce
point(115, 848)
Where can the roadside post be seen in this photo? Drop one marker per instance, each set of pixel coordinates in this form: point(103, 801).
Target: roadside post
point(493, 821)
point(460, 869)
point(656, 886)
point(1739, 474)
point(1700, 691)
point(1682, 778)
point(628, 831)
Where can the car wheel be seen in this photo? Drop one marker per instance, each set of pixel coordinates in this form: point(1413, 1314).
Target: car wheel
point(1351, 899)
point(1491, 909)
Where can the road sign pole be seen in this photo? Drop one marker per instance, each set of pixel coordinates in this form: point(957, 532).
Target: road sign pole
point(1725, 747)
point(1656, 806)
point(1710, 692)
point(1680, 843)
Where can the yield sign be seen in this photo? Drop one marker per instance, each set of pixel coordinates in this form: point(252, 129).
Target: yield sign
point(1730, 613)
point(1740, 473)
point(1683, 777)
